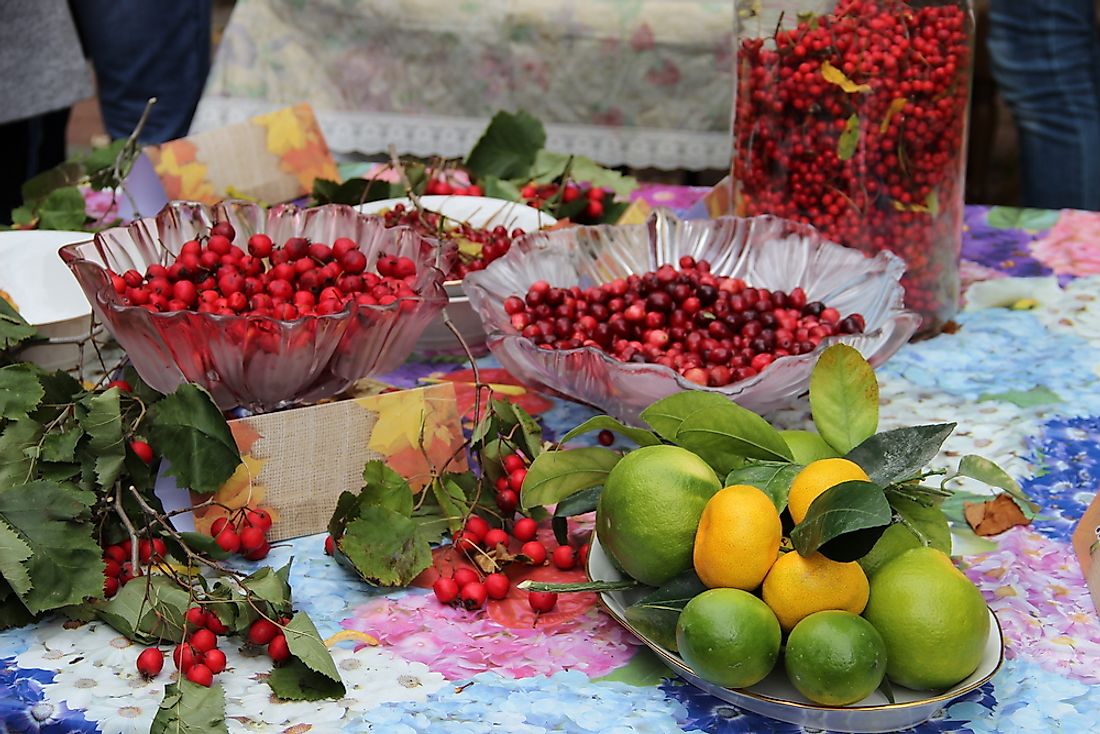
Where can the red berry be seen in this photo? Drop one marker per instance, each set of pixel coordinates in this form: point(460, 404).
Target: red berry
point(223, 229)
point(115, 553)
point(215, 625)
point(252, 538)
point(111, 567)
point(465, 575)
point(467, 542)
point(196, 617)
point(594, 209)
point(258, 553)
point(501, 484)
point(199, 674)
point(515, 480)
point(582, 555)
point(525, 529)
point(535, 551)
point(476, 525)
point(564, 557)
point(605, 437)
point(497, 585)
point(342, 245)
point(258, 519)
point(122, 385)
point(353, 262)
point(278, 650)
point(330, 546)
point(183, 655)
point(446, 590)
point(473, 595)
point(142, 450)
point(150, 662)
point(260, 245)
point(512, 462)
point(496, 537)
point(110, 586)
point(507, 501)
point(542, 601)
point(215, 660)
point(262, 631)
point(228, 540)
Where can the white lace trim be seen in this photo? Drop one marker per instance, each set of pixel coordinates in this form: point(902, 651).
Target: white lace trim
point(432, 135)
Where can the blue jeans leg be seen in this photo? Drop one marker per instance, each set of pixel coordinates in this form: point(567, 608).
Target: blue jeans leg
point(1046, 60)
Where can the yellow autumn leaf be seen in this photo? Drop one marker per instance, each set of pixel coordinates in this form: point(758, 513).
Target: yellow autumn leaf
point(191, 175)
point(835, 76)
point(284, 131)
point(468, 247)
point(894, 108)
point(401, 417)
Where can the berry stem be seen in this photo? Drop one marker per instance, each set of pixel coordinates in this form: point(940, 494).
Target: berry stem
point(134, 560)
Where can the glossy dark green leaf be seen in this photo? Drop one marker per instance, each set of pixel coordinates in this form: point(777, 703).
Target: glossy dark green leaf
point(62, 209)
point(666, 415)
point(773, 478)
point(20, 391)
point(844, 398)
point(655, 614)
point(840, 511)
point(14, 330)
point(900, 454)
point(187, 428)
point(639, 436)
point(580, 503)
point(555, 475)
point(723, 437)
point(305, 644)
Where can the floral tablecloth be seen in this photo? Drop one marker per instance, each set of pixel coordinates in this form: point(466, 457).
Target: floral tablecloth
point(640, 83)
point(1024, 386)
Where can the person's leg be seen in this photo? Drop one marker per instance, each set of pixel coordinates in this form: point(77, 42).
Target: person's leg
point(1046, 57)
point(28, 147)
point(147, 48)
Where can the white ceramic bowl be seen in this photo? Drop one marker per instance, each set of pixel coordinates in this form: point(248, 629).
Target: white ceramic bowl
point(776, 697)
point(46, 293)
point(479, 211)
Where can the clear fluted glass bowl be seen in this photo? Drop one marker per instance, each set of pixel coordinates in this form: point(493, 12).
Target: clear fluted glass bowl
point(765, 252)
point(259, 362)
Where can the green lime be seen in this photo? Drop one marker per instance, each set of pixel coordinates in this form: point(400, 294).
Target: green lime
point(929, 521)
point(649, 510)
point(807, 446)
point(835, 658)
point(934, 621)
point(728, 637)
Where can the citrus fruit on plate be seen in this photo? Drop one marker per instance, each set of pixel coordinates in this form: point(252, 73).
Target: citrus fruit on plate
point(729, 637)
point(928, 521)
point(776, 697)
point(738, 538)
point(835, 658)
point(649, 510)
point(798, 586)
point(817, 477)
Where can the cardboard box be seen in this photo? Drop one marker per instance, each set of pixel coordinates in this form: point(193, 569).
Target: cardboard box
point(297, 462)
point(1086, 543)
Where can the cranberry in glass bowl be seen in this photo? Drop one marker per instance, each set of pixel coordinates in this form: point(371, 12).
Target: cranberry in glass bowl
point(762, 252)
point(260, 358)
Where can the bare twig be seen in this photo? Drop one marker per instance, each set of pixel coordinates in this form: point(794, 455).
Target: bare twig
point(134, 562)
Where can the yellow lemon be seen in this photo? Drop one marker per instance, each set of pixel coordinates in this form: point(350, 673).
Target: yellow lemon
point(817, 477)
point(738, 538)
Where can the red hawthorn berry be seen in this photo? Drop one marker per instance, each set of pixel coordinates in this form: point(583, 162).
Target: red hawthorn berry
point(142, 450)
point(525, 529)
point(150, 662)
point(446, 590)
point(542, 601)
point(200, 675)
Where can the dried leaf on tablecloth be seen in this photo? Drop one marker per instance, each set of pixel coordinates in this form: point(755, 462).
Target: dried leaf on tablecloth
point(994, 516)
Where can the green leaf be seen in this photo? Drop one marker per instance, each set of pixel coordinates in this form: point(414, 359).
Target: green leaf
point(530, 432)
point(900, 454)
point(20, 391)
point(354, 191)
point(844, 510)
point(655, 614)
point(385, 548)
point(293, 681)
point(773, 478)
point(723, 437)
point(1033, 220)
point(60, 446)
point(305, 644)
point(105, 156)
point(452, 502)
point(639, 436)
point(1040, 395)
point(644, 670)
point(347, 509)
point(844, 398)
point(37, 188)
point(149, 609)
point(555, 475)
point(272, 586)
point(62, 209)
point(23, 216)
point(849, 139)
point(61, 389)
point(14, 554)
point(103, 423)
point(984, 470)
point(549, 166)
point(580, 503)
point(198, 543)
point(508, 147)
point(54, 521)
point(384, 487)
point(187, 428)
point(18, 442)
point(666, 415)
point(954, 505)
point(499, 189)
point(14, 330)
point(189, 708)
point(13, 613)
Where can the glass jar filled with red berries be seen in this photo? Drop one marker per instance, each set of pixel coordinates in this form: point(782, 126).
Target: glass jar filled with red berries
point(851, 115)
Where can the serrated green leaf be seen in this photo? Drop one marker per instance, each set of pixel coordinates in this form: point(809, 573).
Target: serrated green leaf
point(666, 415)
point(844, 398)
point(724, 437)
point(900, 454)
point(54, 521)
point(60, 446)
point(62, 209)
point(530, 436)
point(189, 708)
point(272, 586)
point(20, 391)
point(13, 613)
point(451, 498)
point(655, 614)
point(103, 424)
point(773, 478)
point(104, 156)
point(17, 442)
point(305, 644)
point(549, 166)
point(385, 548)
point(499, 189)
point(848, 141)
point(148, 609)
point(347, 509)
point(14, 553)
point(37, 188)
point(187, 428)
point(385, 487)
point(295, 682)
point(14, 330)
point(846, 509)
point(984, 470)
point(555, 475)
point(61, 390)
point(580, 503)
point(1039, 395)
point(508, 147)
point(639, 436)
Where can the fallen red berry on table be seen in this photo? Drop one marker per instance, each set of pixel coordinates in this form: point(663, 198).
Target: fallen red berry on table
point(535, 551)
point(525, 529)
point(150, 662)
point(330, 545)
point(465, 575)
point(497, 585)
point(542, 601)
point(200, 675)
point(473, 595)
point(564, 557)
point(446, 590)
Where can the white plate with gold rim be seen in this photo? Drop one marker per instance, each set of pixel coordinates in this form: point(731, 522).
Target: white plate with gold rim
point(776, 697)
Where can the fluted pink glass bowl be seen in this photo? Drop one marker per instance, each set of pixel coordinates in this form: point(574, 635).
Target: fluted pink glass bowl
point(765, 252)
point(259, 362)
